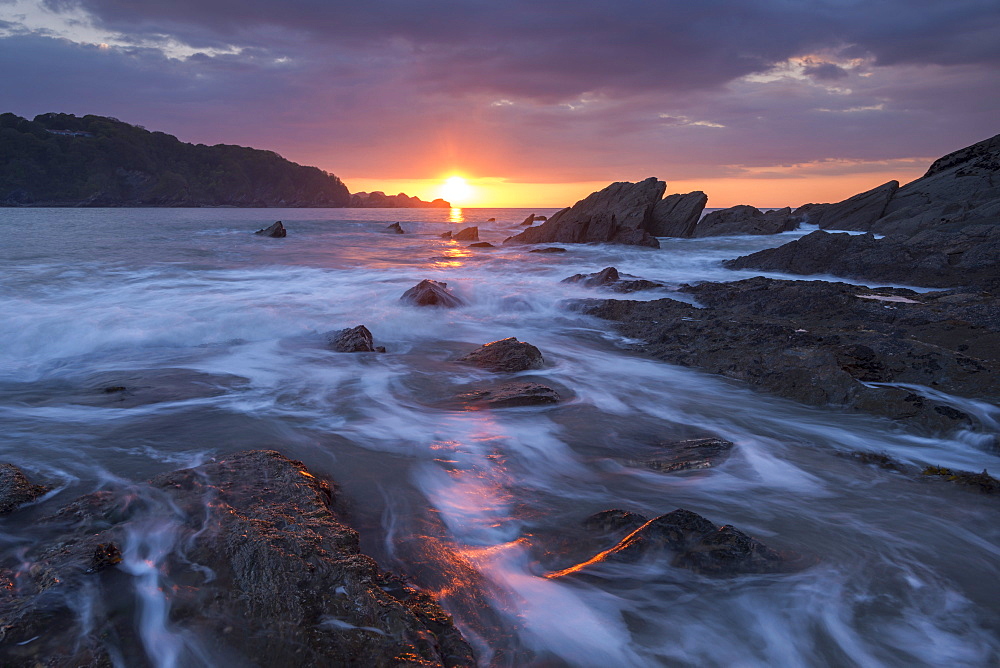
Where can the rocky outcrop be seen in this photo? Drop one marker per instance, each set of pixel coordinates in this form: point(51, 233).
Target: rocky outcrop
point(353, 340)
point(505, 356)
point(690, 541)
point(528, 222)
point(379, 200)
point(276, 231)
point(509, 395)
point(692, 454)
point(936, 258)
point(395, 228)
point(745, 219)
point(16, 490)
point(251, 561)
point(610, 278)
point(621, 213)
point(677, 215)
point(431, 293)
point(831, 344)
point(468, 234)
point(482, 244)
point(856, 213)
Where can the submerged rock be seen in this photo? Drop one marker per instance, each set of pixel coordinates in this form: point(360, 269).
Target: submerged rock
point(353, 340)
point(431, 293)
point(16, 490)
point(468, 234)
point(697, 453)
point(482, 244)
point(981, 482)
point(509, 395)
point(395, 228)
point(609, 277)
point(505, 356)
point(262, 572)
point(276, 231)
point(548, 249)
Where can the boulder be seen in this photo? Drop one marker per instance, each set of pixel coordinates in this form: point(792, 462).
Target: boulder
point(431, 293)
point(353, 340)
point(548, 249)
point(505, 356)
point(529, 221)
point(854, 213)
point(621, 213)
point(482, 244)
point(541, 219)
point(251, 562)
point(16, 490)
point(609, 277)
point(276, 231)
point(677, 215)
point(698, 453)
point(745, 219)
point(509, 395)
point(691, 542)
point(395, 228)
point(491, 220)
point(468, 234)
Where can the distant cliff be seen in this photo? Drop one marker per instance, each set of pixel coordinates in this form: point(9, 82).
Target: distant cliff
point(65, 160)
point(380, 200)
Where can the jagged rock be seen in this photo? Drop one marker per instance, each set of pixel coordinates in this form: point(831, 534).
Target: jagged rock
point(548, 249)
point(446, 235)
point(431, 293)
point(529, 221)
point(353, 340)
point(745, 219)
point(698, 453)
point(277, 231)
point(694, 543)
point(510, 395)
point(16, 489)
point(395, 228)
point(266, 574)
point(609, 277)
point(621, 213)
point(505, 356)
point(468, 234)
point(854, 213)
point(677, 215)
point(482, 244)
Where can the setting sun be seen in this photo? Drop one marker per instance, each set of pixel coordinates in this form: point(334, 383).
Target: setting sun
point(456, 190)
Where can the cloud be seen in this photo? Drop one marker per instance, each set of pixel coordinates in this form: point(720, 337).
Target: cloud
point(825, 71)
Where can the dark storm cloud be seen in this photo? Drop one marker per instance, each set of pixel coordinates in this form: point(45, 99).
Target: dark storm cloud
point(825, 71)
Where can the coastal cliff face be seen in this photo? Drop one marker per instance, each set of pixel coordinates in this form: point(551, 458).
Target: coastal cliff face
point(65, 160)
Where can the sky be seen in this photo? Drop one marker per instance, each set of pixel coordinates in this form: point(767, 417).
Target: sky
point(535, 103)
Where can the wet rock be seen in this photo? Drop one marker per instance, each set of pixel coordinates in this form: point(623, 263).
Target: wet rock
point(528, 222)
point(505, 356)
point(276, 231)
point(981, 482)
point(621, 213)
point(431, 293)
point(468, 234)
point(353, 340)
point(548, 249)
point(692, 454)
point(263, 572)
point(446, 235)
point(482, 244)
point(16, 489)
point(491, 220)
point(614, 521)
point(694, 543)
point(541, 218)
point(677, 215)
point(510, 395)
point(854, 213)
point(745, 219)
point(395, 228)
point(610, 278)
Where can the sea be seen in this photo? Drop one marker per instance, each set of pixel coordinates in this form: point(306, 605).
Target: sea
point(218, 338)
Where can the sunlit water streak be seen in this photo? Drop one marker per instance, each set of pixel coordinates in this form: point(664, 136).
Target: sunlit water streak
point(219, 337)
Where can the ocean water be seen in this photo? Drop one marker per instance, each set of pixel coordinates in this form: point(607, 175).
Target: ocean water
point(218, 336)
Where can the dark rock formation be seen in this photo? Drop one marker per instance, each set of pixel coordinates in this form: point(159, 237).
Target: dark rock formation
point(529, 221)
point(938, 258)
point(431, 293)
point(745, 219)
point(609, 277)
point(353, 340)
point(677, 215)
point(446, 235)
point(277, 231)
point(621, 213)
point(692, 542)
point(482, 244)
point(509, 395)
point(980, 482)
point(548, 249)
point(697, 453)
point(541, 219)
point(395, 228)
point(379, 200)
point(263, 573)
point(505, 356)
point(468, 234)
point(830, 343)
point(854, 213)
point(16, 490)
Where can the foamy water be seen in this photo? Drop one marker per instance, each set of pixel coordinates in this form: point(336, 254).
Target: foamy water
point(218, 336)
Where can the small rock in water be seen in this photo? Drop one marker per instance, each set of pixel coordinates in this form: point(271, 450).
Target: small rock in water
point(482, 244)
point(431, 293)
point(512, 394)
point(609, 277)
point(353, 340)
point(446, 235)
point(105, 556)
point(614, 520)
point(468, 234)
point(548, 249)
point(530, 220)
point(276, 231)
point(983, 482)
point(395, 228)
point(16, 489)
point(506, 355)
point(698, 453)
point(491, 220)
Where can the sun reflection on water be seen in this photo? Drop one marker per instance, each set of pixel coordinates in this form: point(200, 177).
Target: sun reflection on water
point(455, 216)
point(452, 256)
